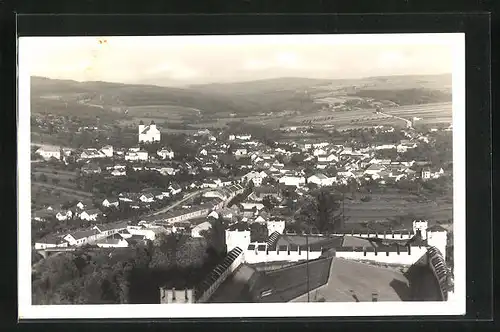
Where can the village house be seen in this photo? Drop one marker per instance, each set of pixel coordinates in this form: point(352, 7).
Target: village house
point(118, 172)
point(140, 155)
point(48, 152)
point(92, 153)
point(50, 242)
point(244, 137)
point(294, 181)
point(148, 134)
point(113, 241)
point(81, 238)
point(240, 152)
point(431, 173)
point(111, 228)
point(331, 157)
point(321, 180)
point(197, 231)
point(385, 147)
point(404, 145)
point(90, 215)
point(374, 169)
point(90, 168)
point(175, 189)
point(64, 215)
point(111, 202)
point(107, 151)
point(165, 153)
point(255, 177)
point(147, 198)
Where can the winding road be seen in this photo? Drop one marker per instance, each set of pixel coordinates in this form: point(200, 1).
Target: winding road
point(186, 198)
point(408, 122)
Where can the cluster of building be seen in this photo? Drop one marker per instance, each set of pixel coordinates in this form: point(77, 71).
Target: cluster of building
point(287, 255)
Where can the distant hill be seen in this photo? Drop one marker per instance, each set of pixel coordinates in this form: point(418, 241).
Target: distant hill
point(251, 97)
point(262, 86)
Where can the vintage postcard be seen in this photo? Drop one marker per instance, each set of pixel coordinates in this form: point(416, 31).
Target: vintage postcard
point(251, 176)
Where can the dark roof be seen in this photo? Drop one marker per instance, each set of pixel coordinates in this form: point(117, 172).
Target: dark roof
point(291, 282)
point(110, 226)
point(50, 239)
point(83, 234)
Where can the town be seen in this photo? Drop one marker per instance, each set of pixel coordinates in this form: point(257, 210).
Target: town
point(265, 198)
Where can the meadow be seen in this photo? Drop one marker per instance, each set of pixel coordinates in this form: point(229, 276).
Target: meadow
point(393, 204)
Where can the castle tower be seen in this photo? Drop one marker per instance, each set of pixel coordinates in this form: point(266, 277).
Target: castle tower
point(141, 127)
point(420, 226)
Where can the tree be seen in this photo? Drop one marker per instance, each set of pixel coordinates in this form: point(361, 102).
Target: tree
point(269, 202)
point(319, 211)
point(42, 178)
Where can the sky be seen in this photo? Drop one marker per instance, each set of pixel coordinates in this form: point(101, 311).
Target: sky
point(184, 60)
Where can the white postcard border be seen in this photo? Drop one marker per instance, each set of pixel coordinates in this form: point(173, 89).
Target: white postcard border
point(454, 306)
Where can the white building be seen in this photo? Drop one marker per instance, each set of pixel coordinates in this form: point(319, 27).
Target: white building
point(111, 202)
point(275, 226)
point(321, 180)
point(256, 177)
point(136, 155)
point(107, 150)
point(83, 237)
point(148, 134)
point(240, 152)
point(149, 233)
point(90, 215)
point(198, 230)
point(237, 238)
point(244, 137)
point(292, 180)
point(165, 153)
point(328, 158)
point(64, 215)
point(92, 153)
point(48, 152)
point(374, 169)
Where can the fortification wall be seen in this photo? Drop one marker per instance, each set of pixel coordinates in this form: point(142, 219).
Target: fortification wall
point(233, 260)
point(256, 256)
point(405, 256)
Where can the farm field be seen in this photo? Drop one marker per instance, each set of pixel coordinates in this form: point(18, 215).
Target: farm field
point(384, 206)
point(66, 191)
point(364, 117)
point(162, 111)
point(430, 113)
point(63, 178)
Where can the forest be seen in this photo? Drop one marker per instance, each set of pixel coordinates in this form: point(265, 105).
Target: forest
point(130, 275)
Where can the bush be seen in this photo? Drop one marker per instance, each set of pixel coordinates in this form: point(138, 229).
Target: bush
point(366, 198)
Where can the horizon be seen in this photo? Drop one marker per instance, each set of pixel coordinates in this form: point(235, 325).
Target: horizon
point(193, 60)
point(190, 85)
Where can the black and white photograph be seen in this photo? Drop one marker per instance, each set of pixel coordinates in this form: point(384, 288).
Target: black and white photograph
point(258, 175)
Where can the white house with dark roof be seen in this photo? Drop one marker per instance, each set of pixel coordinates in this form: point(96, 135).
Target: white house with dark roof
point(147, 198)
point(165, 153)
point(50, 242)
point(197, 231)
point(107, 151)
point(48, 152)
point(90, 215)
point(321, 179)
point(81, 238)
point(148, 134)
point(374, 169)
